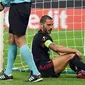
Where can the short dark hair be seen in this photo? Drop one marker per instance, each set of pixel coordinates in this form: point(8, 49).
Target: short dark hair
point(44, 18)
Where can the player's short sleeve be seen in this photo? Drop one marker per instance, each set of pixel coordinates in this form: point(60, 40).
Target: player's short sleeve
point(46, 40)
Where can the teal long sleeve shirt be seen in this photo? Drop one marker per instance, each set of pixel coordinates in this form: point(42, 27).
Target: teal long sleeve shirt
point(5, 2)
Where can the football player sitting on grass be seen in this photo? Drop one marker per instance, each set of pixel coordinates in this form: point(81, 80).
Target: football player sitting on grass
point(41, 45)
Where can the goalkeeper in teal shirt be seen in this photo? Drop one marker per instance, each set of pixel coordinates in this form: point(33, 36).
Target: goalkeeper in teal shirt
point(19, 13)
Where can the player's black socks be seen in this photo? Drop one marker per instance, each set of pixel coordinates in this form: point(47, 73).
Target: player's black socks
point(73, 67)
point(78, 62)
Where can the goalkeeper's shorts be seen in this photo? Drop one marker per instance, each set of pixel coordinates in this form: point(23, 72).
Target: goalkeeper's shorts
point(46, 68)
point(18, 18)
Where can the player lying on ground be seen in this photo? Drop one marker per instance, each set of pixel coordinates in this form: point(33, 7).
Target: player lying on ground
point(43, 42)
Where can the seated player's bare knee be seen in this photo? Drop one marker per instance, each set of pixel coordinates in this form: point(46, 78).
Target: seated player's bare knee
point(71, 55)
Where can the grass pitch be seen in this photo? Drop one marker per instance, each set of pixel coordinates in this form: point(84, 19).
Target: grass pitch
point(73, 39)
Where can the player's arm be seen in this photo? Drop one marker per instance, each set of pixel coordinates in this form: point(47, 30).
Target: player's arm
point(1, 6)
point(60, 49)
point(5, 2)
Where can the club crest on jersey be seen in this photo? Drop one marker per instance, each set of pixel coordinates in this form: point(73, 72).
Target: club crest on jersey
point(44, 38)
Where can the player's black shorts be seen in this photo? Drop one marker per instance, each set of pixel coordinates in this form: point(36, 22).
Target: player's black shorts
point(18, 18)
point(47, 69)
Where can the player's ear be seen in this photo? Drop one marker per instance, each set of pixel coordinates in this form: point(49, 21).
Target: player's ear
point(41, 25)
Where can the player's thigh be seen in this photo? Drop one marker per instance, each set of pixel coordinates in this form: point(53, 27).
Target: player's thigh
point(20, 40)
point(11, 39)
point(60, 62)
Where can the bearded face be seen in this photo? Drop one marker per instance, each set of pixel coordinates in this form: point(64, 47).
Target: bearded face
point(48, 26)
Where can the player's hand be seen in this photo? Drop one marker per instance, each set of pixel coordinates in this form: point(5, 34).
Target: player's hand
point(1, 7)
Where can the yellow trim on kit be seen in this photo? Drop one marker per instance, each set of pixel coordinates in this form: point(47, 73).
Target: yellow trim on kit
point(47, 43)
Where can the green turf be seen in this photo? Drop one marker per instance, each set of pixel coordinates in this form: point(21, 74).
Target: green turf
point(73, 39)
point(64, 79)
